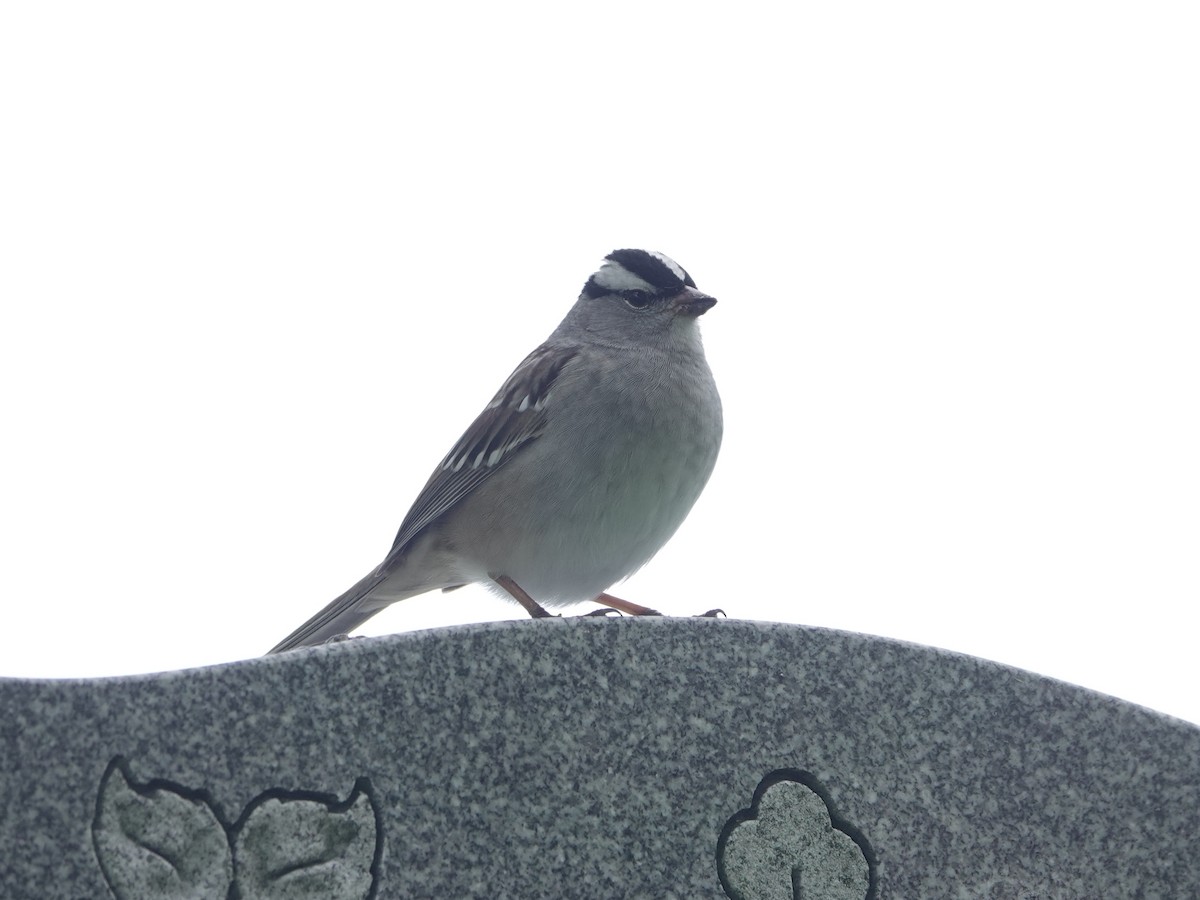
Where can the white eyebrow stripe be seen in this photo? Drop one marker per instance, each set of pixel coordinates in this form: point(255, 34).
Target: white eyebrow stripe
point(615, 277)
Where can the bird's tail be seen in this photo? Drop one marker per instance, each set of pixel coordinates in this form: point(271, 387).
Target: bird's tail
point(341, 616)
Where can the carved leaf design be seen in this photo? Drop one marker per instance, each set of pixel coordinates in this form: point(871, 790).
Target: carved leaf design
point(296, 847)
point(155, 841)
point(790, 845)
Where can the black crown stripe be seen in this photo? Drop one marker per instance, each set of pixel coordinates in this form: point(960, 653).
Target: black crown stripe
point(649, 268)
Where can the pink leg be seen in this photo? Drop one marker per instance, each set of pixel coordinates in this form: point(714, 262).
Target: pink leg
point(625, 606)
point(518, 593)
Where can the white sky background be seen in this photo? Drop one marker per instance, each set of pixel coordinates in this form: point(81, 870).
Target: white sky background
point(262, 264)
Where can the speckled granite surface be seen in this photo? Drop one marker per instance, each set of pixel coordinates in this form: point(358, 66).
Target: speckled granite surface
point(655, 758)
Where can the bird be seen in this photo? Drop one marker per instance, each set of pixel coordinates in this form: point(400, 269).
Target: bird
point(579, 470)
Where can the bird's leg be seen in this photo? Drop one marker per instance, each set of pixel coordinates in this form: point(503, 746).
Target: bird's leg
point(532, 607)
point(635, 609)
point(625, 606)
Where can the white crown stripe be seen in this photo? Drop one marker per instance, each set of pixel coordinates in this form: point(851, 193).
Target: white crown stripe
point(670, 264)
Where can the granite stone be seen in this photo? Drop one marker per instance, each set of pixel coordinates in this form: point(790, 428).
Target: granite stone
point(607, 758)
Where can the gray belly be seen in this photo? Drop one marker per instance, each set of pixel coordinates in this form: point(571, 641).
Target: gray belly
point(566, 526)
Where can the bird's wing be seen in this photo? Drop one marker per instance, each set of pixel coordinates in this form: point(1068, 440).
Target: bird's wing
point(516, 416)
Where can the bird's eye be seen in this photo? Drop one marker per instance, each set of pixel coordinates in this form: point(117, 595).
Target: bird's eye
point(636, 299)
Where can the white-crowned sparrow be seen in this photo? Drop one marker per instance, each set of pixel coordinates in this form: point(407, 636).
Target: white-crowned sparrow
point(579, 470)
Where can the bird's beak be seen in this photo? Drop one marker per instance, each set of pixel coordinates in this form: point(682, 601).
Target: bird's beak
point(691, 302)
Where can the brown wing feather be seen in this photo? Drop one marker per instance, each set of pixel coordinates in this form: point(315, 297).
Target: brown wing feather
point(516, 416)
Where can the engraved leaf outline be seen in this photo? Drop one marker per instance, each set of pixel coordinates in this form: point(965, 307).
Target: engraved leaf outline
point(839, 824)
point(296, 844)
point(158, 839)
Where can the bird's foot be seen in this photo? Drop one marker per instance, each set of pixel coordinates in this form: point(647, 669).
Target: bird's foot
point(625, 606)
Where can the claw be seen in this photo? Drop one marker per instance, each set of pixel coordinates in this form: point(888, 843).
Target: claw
point(713, 614)
point(601, 613)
